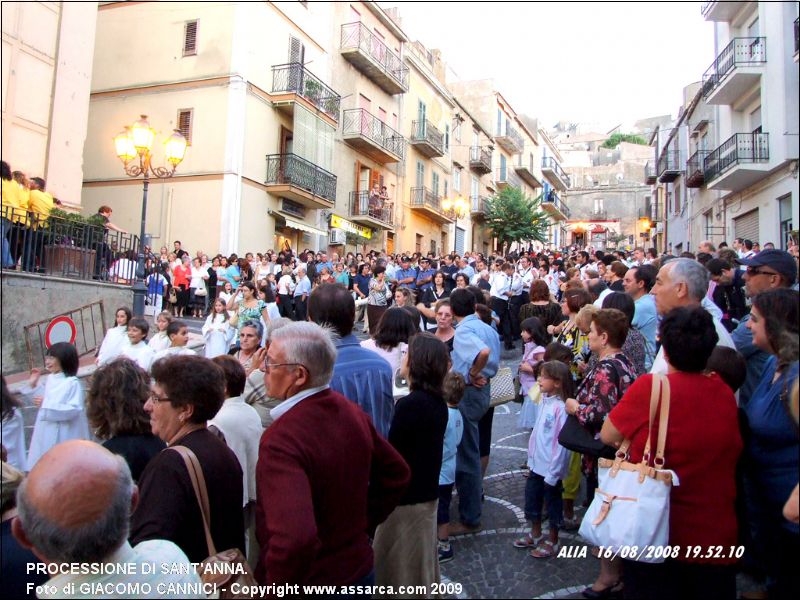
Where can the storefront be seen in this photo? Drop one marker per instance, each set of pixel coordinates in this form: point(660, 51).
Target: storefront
point(346, 236)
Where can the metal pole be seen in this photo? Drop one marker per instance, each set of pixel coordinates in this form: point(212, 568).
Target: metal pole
point(139, 288)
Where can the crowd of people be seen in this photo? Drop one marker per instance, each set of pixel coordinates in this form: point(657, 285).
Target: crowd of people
point(331, 459)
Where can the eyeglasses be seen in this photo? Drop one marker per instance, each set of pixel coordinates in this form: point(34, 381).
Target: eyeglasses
point(154, 399)
point(268, 366)
point(751, 271)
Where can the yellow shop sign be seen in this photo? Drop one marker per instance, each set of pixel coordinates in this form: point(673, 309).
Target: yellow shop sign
point(340, 223)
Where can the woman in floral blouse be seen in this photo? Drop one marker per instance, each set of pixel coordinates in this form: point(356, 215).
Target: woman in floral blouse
point(568, 333)
point(601, 389)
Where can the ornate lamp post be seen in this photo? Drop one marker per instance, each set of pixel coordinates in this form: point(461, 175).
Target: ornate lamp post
point(457, 207)
point(137, 141)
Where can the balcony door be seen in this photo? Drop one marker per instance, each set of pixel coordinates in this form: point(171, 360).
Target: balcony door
point(420, 174)
point(422, 111)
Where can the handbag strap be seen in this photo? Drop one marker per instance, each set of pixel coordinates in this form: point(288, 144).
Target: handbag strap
point(654, 394)
point(622, 452)
point(663, 420)
point(200, 491)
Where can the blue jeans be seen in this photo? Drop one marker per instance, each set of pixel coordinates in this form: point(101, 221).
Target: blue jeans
point(469, 482)
point(7, 259)
point(536, 492)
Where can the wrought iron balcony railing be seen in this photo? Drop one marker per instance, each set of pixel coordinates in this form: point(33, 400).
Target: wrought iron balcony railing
point(296, 79)
point(510, 138)
point(359, 121)
point(741, 51)
point(669, 165)
point(423, 132)
point(480, 159)
point(650, 176)
point(478, 204)
point(739, 148)
point(422, 196)
point(362, 206)
point(291, 169)
point(507, 176)
point(555, 200)
point(694, 169)
point(548, 162)
point(358, 35)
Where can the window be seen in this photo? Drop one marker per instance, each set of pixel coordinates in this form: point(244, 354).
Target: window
point(185, 124)
point(457, 129)
point(297, 51)
point(786, 219)
point(677, 191)
point(457, 180)
point(190, 38)
point(474, 187)
point(418, 244)
point(420, 174)
point(708, 224)
point(435, 184)
point(447, 138)
point(446, 188)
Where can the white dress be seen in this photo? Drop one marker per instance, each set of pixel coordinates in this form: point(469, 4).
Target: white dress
point(173, 351)
point(13, 434)
point(112, 344)
point(61, 416)
point(141, 354)
point(159, 341)
point(216, 332)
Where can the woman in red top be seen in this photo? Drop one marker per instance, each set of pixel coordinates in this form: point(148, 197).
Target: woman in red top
point(181, 276)
point(703, 445)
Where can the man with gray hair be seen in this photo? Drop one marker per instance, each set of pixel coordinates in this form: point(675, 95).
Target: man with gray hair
point(683, 282)
point(74, 507)
point(325, 478)
point(301, 293)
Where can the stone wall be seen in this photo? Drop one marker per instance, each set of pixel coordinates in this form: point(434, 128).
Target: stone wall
point(29, 298)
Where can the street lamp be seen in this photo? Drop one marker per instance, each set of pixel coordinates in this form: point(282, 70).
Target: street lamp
point(137, 141)
point(458, 207)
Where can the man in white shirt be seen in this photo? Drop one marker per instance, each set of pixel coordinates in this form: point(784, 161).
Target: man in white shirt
point(301, 293)
point(480, 267)
point(683, 282)
point(500, 291)
point(527, 274)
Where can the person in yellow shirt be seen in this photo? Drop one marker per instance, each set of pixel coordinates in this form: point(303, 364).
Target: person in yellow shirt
point(39, 205)
point(10, 205)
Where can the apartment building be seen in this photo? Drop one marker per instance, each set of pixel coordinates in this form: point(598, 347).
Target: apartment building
point(750, 158)
point(45, 91)
point(556, 184)
point(424, 222)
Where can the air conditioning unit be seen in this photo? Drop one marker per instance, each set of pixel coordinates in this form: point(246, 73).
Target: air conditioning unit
point(659, 227)
point(337, 237)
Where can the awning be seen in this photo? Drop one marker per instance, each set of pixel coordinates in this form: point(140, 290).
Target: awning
point(292, 224)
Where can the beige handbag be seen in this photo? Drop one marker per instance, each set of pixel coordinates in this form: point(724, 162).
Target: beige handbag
point(502, 387)
point(238, 570)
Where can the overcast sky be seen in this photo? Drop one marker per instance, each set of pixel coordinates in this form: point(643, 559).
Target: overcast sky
point(603, 62)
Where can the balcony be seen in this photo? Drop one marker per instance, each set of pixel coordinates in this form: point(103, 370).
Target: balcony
point(505, 177)
point(510, 139)
point(480, 159)
point(720, 11)
point(427, 139)
point(292, 82)
point(369, 135)
point(554, 173)
point(293, 177)
point(477, 205)
point(739, 162)
point(370, 55)
point(694, 169)
point(669, 166)
point(655, 212)
point(375, 214)
point(599, 214)
point(650, 176)
point(425, 201)
point(555, 207)
point(526, 172)
point(737, 69)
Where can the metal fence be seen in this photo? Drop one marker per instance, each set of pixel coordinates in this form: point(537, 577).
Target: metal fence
point(480, 157)
point(424, 132)
point(514, 137)
point(361, 122)
point(358, 35)
point(548, 162)
point(292, 169)
point(739, 148)
point(296, 79)
point(422, 196)
point(67, 247)
point(360, 206)
point(741, 51)
point(89, 321)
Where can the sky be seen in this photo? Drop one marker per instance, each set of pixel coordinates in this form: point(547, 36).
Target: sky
point(592, 62)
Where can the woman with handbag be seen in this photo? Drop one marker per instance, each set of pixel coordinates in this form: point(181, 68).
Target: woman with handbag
point(702, 447)
point(377, 301)
point(186, 392)
point(568, 333)
point(197, 289)
point(601, 389)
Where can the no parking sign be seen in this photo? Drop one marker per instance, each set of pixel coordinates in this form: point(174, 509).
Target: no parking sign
point(60, 329)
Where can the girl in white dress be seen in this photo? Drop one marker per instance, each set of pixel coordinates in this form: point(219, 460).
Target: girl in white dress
point(136, 348)
point(178, 334)
point(160, 341)
point(61, 414)
point(216, 330)
point(115, 337)
point(12, 429)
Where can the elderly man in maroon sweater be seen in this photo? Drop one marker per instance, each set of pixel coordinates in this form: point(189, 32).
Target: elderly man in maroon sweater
point(325, 478)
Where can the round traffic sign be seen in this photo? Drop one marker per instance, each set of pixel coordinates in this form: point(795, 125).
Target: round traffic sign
point(60, 329)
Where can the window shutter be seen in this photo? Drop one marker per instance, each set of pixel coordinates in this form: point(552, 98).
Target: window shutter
point(185, 124)
point(297, 51)
point(190, 38)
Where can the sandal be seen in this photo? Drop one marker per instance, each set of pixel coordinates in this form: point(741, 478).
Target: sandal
point(546, 549)
point(527, 541)
point(570, 524)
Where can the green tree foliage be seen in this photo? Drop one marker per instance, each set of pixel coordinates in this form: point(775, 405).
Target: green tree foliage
point(616, 138)
point(514, 217)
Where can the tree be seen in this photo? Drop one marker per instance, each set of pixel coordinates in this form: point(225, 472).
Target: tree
point(514, 217)
point(616, 138)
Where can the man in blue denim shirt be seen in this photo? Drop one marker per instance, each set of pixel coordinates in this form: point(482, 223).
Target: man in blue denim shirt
point(425, 277)
point(359, 374)
point(406, 276)
point(476, 356)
